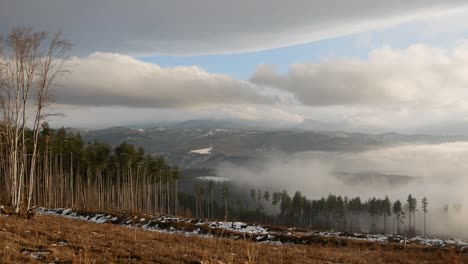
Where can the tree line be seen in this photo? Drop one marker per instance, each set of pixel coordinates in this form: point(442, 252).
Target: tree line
point(342, 213)
point(93, 175)
point(333, 212)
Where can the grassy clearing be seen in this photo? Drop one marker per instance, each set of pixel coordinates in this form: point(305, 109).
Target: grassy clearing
point(50, 239)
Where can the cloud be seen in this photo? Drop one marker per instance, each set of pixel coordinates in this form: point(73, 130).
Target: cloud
point(107, 116)
point(274, 115)
point(392, 90)
point(416, 78)
point(105, 79)
point(104, 85)
point(209, 26)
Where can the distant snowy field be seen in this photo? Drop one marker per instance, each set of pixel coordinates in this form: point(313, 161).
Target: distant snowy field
point(213, 178)
point(205, 151)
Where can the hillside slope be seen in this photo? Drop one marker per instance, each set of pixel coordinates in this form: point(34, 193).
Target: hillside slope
point(51, 239)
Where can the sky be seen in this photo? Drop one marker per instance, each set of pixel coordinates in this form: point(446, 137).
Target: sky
point(364, 65)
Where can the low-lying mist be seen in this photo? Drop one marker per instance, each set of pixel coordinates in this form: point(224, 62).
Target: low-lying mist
point(438, 172)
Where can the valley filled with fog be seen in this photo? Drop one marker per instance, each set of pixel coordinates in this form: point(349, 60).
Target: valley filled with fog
point(435, 171)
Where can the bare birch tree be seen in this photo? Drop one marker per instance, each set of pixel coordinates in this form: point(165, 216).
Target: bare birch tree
point(30, 62)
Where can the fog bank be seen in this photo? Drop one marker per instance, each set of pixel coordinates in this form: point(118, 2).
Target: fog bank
point(437, 172)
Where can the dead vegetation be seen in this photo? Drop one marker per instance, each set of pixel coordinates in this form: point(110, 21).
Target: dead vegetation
point(49, 239)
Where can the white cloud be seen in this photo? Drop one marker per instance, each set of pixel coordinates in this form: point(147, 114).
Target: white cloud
point(274, 114)
point(106, 116)
point(210, 26)
point(393, 90)
point(104, 79)
point(419, 89)
point(105, 85)
point(416, 78)
point(112, 83)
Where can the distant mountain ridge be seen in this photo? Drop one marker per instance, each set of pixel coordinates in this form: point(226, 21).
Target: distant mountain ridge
point(240, 145)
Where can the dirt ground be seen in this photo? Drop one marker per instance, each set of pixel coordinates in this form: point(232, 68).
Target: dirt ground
point(51, 239)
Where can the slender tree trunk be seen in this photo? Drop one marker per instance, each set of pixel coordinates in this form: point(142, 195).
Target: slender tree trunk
point(424, 224)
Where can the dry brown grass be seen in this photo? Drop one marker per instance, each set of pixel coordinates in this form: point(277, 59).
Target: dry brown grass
point(72, 241)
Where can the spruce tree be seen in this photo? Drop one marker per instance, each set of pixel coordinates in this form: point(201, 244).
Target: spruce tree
point(424, 204)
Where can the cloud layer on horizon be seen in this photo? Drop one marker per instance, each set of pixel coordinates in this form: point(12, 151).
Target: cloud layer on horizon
point(146, 27)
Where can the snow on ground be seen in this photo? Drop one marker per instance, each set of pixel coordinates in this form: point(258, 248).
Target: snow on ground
point(205, 228)
point(205, 151)
point(239, 227)
point(209, 133)
point(153, 222)
point(68, 213)
point(213, 178)
point(36, 255)
point(212, 132)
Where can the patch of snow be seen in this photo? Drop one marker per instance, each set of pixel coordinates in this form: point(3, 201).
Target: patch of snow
point(66, 211)
point(239, 227)
point(209, 133)
point(36, 255)
point(205, 151)
point(213, 178)
point(99, 218)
